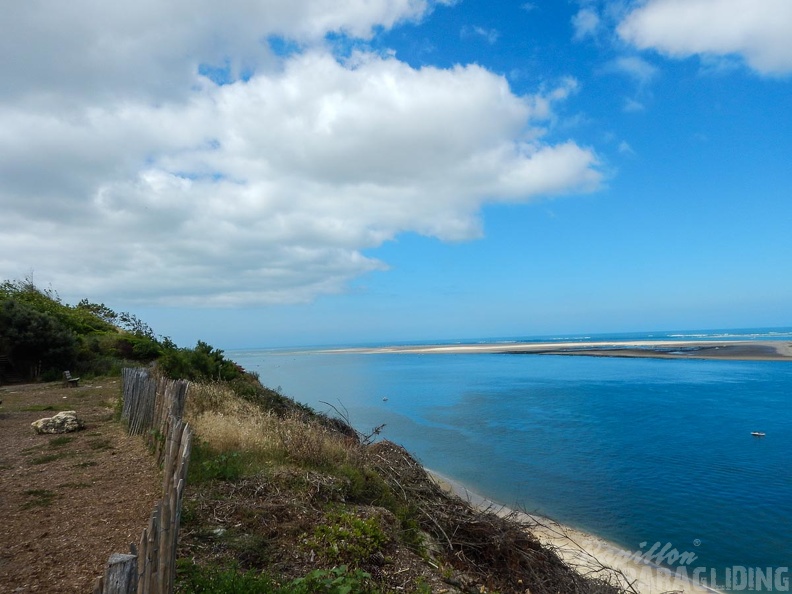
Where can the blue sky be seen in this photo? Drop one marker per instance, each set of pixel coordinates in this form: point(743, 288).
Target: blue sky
point(295, 173)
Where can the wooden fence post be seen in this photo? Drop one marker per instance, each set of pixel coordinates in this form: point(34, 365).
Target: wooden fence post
point(121, 574)
point(157, 405)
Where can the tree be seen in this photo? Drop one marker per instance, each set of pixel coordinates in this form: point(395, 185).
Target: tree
point(35, 340)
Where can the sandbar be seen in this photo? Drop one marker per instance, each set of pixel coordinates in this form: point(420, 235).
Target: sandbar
point(749, 350)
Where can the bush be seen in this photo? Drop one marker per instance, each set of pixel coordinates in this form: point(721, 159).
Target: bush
point(334, 581)
point(347, 538)
point(365, 486)
point(193, 579)
point(206, 464)
point(200, 363)
point(35, 340)
point(137, 348)
point(339, 580)
point(43, 336)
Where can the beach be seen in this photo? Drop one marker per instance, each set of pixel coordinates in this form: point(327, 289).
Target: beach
point(588, 554)
point(739, 350)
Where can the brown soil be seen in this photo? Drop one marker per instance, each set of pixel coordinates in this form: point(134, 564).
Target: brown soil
point(68, 502)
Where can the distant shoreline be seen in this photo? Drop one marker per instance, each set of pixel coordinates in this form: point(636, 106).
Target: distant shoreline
point(743, 350)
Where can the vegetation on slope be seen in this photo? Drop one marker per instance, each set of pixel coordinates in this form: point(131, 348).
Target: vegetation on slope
point(281, 499)
point(273, 497)
point(41, 336)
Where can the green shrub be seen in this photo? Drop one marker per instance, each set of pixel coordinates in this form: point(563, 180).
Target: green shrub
point(347, 538)
point(32, 338)
point(338, 580)
point(206, 464)
point(43, 336)
point(365, 486)
point(193, 579)
point(200, 363)
point(137, 348)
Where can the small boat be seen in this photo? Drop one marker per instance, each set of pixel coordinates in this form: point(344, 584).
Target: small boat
point(385, 399)
point(758, 433)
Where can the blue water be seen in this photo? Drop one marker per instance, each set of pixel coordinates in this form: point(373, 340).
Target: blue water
point(634, 450)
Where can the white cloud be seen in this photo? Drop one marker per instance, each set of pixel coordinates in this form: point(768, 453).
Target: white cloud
point(638, 68)
point(586, 23)
point(151, 47)
point(625, 148)
point(758, 30)
point(261, 191)
point(632, 105)
point(490, 35)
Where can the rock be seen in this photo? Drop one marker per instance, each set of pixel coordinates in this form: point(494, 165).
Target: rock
point(64, 422)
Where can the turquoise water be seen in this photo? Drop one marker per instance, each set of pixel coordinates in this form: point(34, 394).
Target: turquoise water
point(634, 450)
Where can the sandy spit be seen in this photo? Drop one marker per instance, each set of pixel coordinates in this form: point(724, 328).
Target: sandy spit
point(769, 350)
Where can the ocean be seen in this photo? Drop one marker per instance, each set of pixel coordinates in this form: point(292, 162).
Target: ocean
point(636, 451)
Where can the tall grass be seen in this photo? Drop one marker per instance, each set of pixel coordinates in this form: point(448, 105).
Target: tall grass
point(227, 423)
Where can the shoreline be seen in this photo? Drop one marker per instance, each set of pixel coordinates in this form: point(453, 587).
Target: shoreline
point(585, 552)
point(737, 350)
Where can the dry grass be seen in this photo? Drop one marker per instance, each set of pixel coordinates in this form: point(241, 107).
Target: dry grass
point(228, 423)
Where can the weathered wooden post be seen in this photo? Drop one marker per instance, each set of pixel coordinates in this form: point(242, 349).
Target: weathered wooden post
point(120, 575)
point(158, 405)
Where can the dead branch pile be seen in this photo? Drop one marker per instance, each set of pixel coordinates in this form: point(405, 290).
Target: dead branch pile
point(488, 551)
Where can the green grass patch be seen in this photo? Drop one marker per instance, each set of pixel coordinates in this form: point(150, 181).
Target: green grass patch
point(32, 449)
point(61, 441)
point(365, 486)
point(193, 579)
point(46, 458)
point(46, 407)
point(75, 486)
point(347, 538)
point(339, 580)
point(207, 464)
point(38, 498)
point(86, 464)
point(100, 444)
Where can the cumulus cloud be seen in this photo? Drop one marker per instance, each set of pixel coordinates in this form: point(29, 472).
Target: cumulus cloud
point(269, 189)
point(758, 30)
point(53, 49)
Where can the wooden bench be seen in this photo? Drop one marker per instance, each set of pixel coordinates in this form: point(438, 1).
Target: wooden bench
point(70, 381)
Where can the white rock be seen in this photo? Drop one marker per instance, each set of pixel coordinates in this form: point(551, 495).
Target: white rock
point(63, 422)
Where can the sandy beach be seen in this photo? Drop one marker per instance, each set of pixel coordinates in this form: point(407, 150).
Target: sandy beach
point(587, 553)
point(770, 350)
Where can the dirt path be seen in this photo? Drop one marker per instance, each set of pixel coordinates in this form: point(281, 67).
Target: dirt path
point(68, 502)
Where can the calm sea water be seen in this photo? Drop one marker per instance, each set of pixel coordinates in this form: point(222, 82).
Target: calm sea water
point(633, 450)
